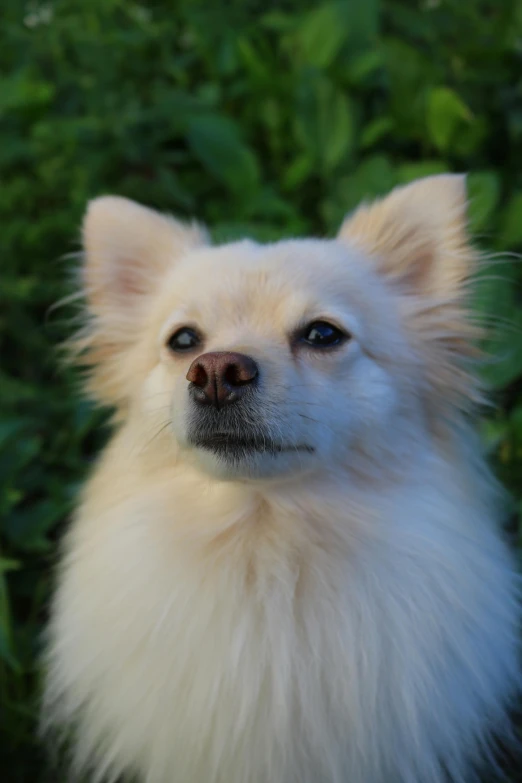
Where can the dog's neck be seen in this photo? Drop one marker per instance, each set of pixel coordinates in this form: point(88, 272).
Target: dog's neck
point(362, 488)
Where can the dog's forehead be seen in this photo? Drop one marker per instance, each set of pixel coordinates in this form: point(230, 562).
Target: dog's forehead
point(249, 269)
point(268, 287)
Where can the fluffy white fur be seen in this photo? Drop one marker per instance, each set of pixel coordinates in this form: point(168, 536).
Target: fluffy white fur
point(347, 615)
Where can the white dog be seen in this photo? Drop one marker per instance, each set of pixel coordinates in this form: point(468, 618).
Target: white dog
point(287, 565)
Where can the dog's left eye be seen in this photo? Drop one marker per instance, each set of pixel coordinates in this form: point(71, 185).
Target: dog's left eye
point(321, 334)
point(185, 339)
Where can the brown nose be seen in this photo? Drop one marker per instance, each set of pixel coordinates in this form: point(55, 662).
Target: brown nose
point(220, 378)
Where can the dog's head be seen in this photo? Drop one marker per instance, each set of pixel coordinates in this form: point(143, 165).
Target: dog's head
point(302, 355)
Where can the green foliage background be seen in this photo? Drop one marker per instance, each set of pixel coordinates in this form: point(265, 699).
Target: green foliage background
point(267, 118)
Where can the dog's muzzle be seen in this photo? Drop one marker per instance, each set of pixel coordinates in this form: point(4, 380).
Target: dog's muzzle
point(225, 416)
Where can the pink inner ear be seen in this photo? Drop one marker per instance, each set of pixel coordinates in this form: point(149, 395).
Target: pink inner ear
point(129, 279)
point(419, 274)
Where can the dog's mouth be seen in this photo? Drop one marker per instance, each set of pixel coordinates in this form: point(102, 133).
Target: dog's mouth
point(227, 444)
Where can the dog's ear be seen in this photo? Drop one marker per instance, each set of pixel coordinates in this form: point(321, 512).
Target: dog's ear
point(417, 238)
point(417, 235)
point(128, 250)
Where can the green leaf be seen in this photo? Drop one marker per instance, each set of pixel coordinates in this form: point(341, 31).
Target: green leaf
point(28, 528)
point(23, 90)
point(266, 204)
point(6, 652)
point(363, 65)
point(277, 20)
point(255, 65)
point(409, 76)
point(408, 172)
point(10, 428)
point(217, 143)
point(322, 34)
point(484, 194)
point(511, 231)
point(469, 137)
point(339, 130)
point(373, 177)
point(493, 432)
point(445, 112)
point(495, 298)
point(7, 564)
point(376, 131)
point(12, 461)
point(324, 123)
point(325, 29)
point(298, 170)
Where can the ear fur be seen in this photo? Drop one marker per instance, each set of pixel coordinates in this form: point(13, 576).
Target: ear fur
point(128, 249)
point(417, 234)
point(417, 239)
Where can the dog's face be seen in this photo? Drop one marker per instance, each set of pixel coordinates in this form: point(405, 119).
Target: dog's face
point(271, 360)
point(268, 357)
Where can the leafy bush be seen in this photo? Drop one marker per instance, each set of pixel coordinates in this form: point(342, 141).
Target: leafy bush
point(267, 118)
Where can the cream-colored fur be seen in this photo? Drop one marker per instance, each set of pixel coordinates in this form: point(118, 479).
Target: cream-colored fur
point(344, 614)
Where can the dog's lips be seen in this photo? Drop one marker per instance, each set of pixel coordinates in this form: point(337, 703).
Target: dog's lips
point(224, 443)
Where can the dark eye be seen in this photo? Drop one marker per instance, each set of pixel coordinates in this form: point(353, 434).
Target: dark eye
point(185, 339)
point(321, 334)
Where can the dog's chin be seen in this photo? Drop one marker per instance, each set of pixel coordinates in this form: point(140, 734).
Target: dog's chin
point(229, 458)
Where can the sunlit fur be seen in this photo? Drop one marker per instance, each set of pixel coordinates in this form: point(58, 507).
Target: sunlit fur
point(346, 614)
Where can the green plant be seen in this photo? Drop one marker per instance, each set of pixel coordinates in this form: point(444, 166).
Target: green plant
point(267, 119)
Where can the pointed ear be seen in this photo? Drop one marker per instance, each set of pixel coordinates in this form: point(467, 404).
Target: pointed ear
point(417, 238)
point(417, 235)
point(128, 249)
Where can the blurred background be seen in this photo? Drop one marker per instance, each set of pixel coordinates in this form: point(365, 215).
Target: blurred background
point(266, 118)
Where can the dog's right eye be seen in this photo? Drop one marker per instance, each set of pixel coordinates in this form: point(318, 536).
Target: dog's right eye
point(184, 340)
point(321, 334)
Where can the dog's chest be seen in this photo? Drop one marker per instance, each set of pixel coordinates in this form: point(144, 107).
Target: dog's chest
point(208, 661)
